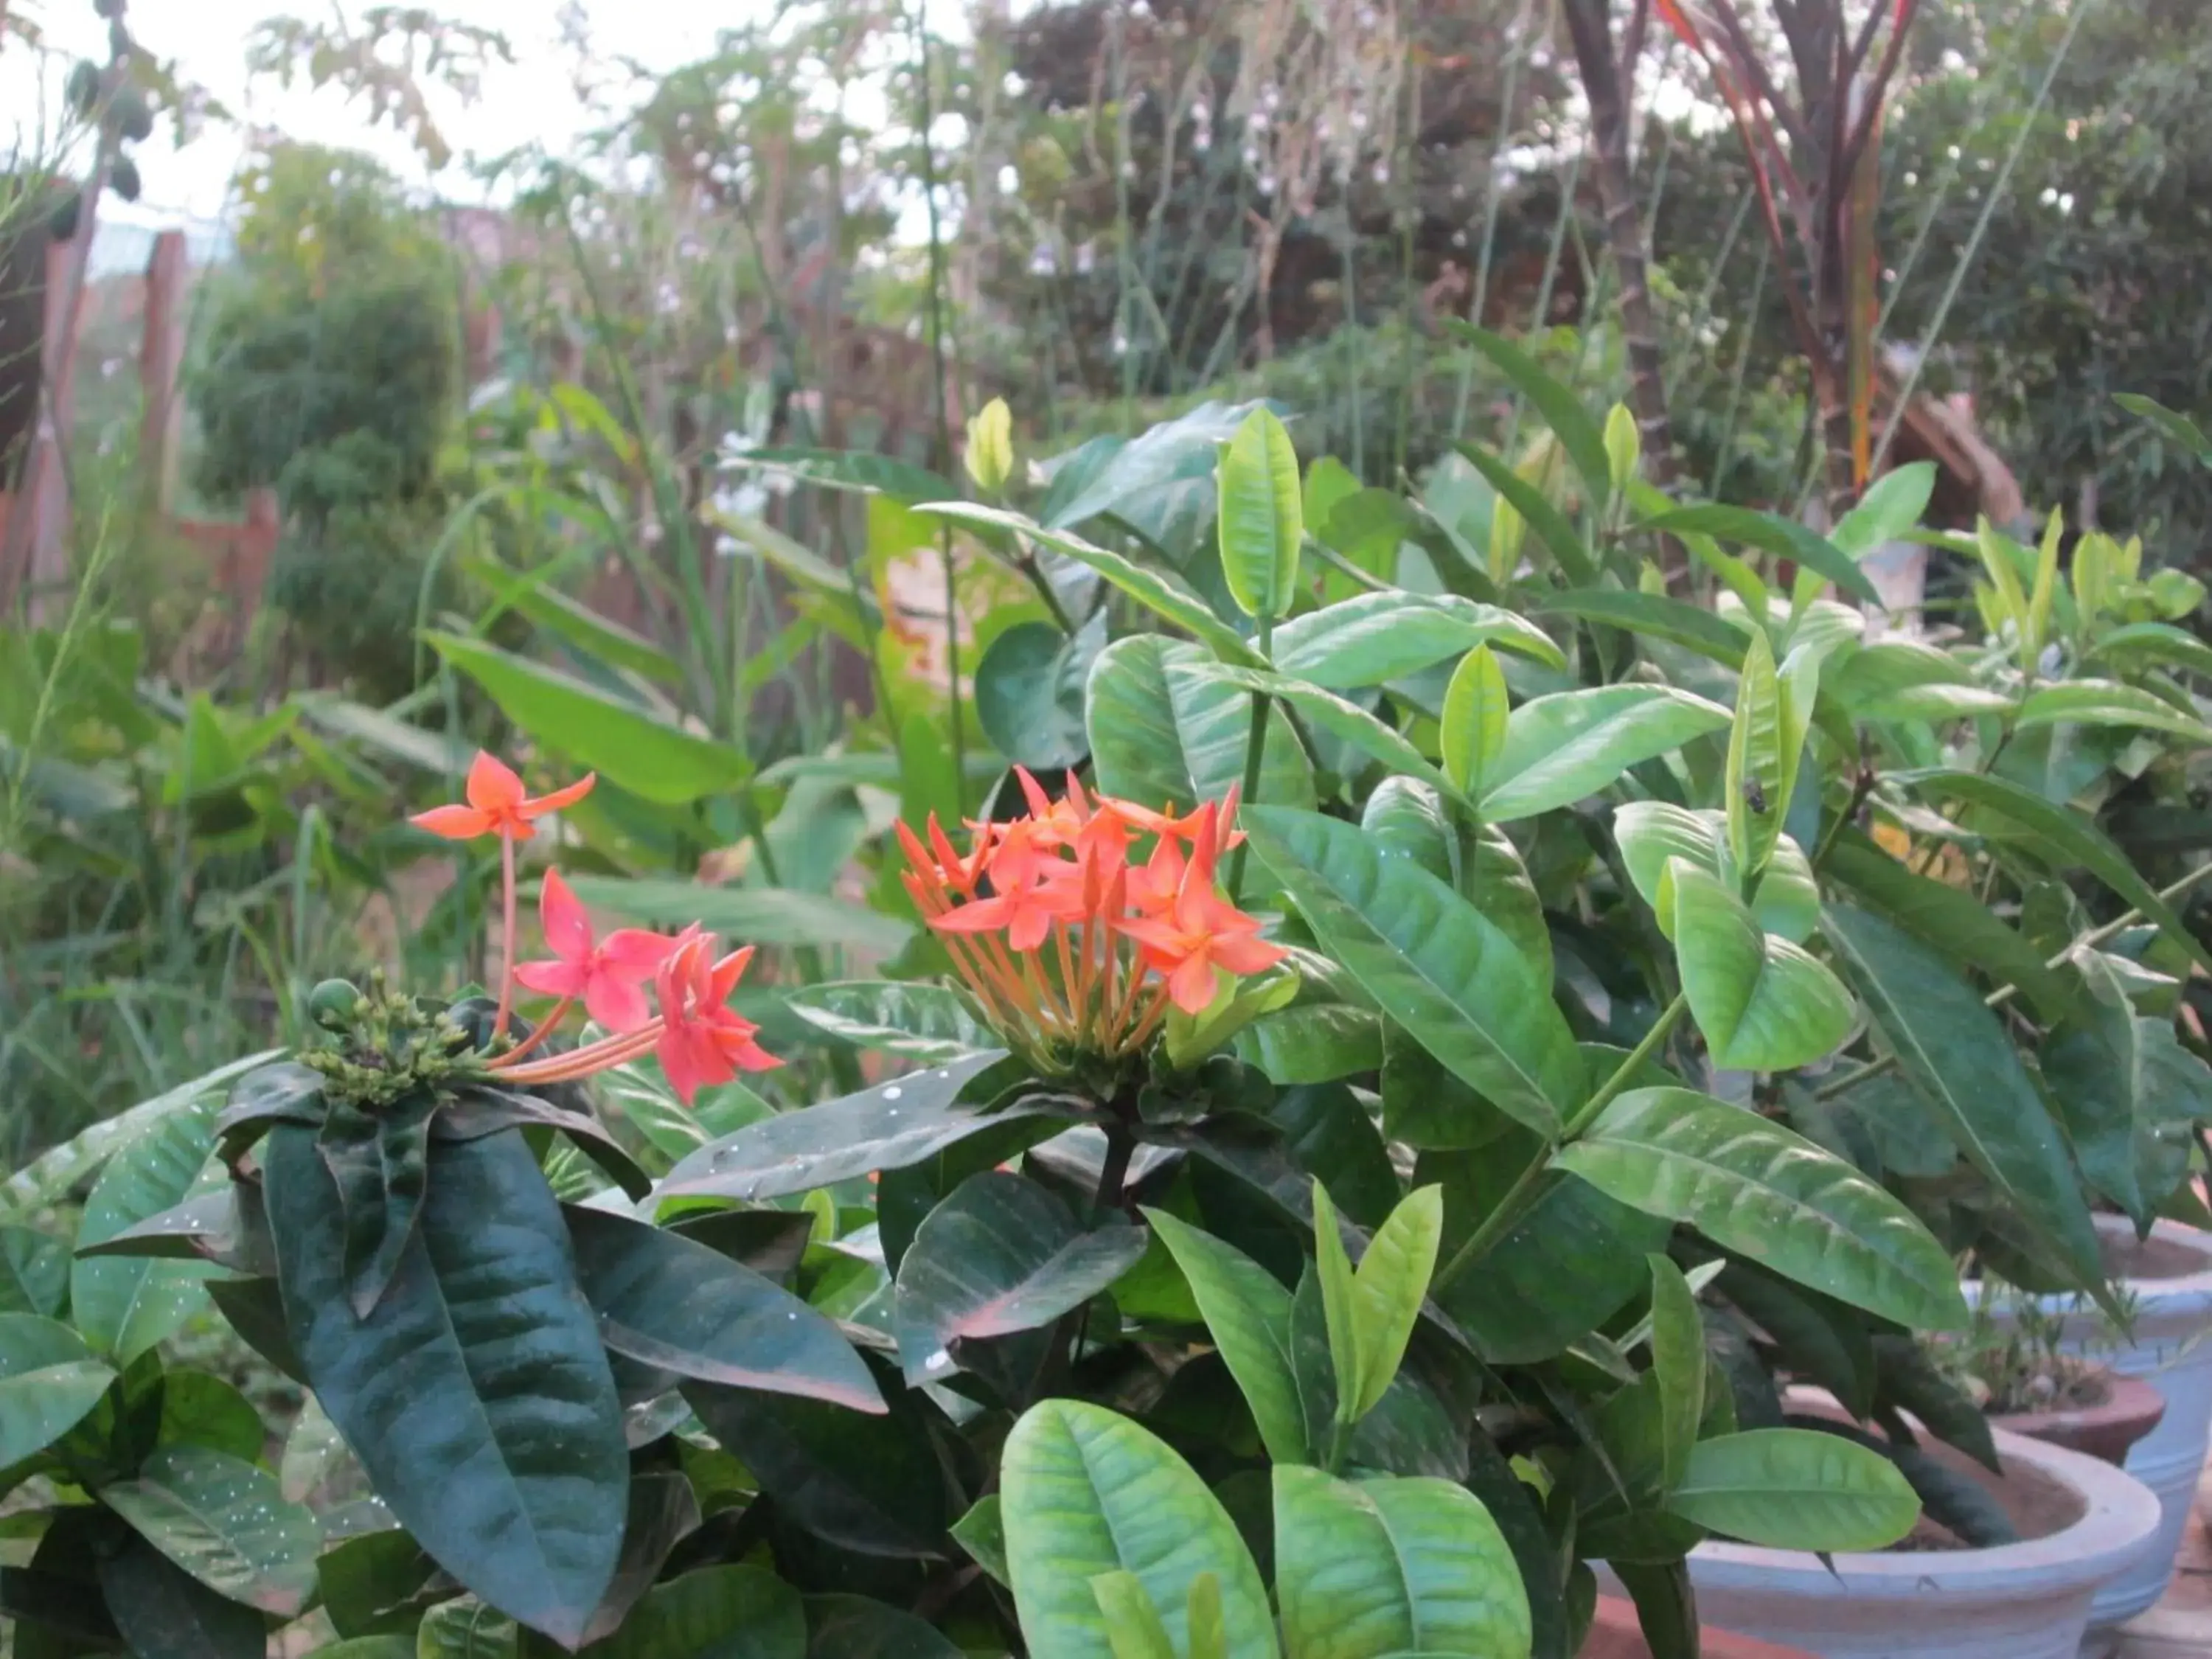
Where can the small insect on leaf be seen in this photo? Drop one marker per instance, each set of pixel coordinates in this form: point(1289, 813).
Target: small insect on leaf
point(1753, 796)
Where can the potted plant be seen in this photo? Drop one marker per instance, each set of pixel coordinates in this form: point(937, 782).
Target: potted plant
point(1342, 1162)
point(2017, 1366)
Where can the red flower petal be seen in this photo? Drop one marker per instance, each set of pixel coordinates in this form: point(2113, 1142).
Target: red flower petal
point(540, 805)
point(561, 916)
point(454, 823)
point(618, 1005)
point(555, 979)
point(492, 786)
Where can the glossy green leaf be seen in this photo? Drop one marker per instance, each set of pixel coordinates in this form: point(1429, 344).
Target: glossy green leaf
point(1576, 429)
point(886, 1127)
point(2153, 642)
point(896, 1016)
point(1000, 1256)
point(198, 1409)
point(982, 1532)
point(1164, 732)
point(1953, 921)
point(1167, 597)
point(1028, 692)
point(2065, 839)
point(1771, 533)
point(1958, 1055)
point(2129, 1095)
point(224, 1521)
point(1565, 745)
point(466, 1629)
point(1086, 1492)
point(1247, 1313)
point(1261, 516)
point(1313, 1042)
point(48, 1381)
point(1374, 638)
point(34, 1271)
point(1343, 1312)
point(1339, 719)
point(1693, 627)
point(124, 1304)
point(1678, 1360)
point(1796, 1489)
point(1390, 1285)
point(855, 1627)
point(716, 1613)
point(758, 916)
point(1764, 1003)
point(1890, 507)
point(1476, 709)
point(677, 1304)
point(164, 1613)
point(1787, 900)
point(2177, 430)
point(2108, 702)
point(516, 1486)
point(1666, 1606)
point(624, 742)
point(1455, 982)
point(1393, 1565)
point(1132, 1623)
point(1567, 1266)
point(1762, 758)
point(1543, 515)
point(1751, 1186)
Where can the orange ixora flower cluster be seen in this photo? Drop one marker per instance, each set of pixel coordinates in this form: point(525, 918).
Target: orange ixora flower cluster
point(699, 1040)
point(1073, 948)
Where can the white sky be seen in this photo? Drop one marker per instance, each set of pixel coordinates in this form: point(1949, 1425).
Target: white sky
point(534, 98)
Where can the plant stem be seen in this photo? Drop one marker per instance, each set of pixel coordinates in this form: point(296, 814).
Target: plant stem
point(506, 935)
point(1255, 749)
point(2005, 994)
point(1510, 1208)
point(1121, 1146)
point(1339, 1443)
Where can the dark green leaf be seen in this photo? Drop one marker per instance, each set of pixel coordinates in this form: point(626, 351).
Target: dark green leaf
point(164, 1613)
point(200, 1410)
point(1028, 692)
point(1375, 638)
point(1906, 1377)
point(1772, 533)
point(677, 1304)
point(516, 1487)
point(1331, 1133)
point(1678, 1361)
point(376, 1584)
point(718, 1613)
point(1753, 1187)
point(123, 1304)
point(1819, 1339)
point(48, 1382)
point(34, 1271)
point(2065, 839)
point(1690, 626)
point(1576, 429)
point(1959, 1057)
point(1451, 977)
point(1313, 1042)
point(1248, 1312)
point(855, 1627)
point(2179, 430)
point(982, 1532)
point(224, 1521)
point(999, 1257)
point(868, 1484)
point(886, 1128)
point(1166, 598)
point(1553, 527)
point(1165, 732)
point(922, 1021)
point(625, 743)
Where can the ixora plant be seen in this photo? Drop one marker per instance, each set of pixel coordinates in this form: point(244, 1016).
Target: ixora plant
point(1378, 1129)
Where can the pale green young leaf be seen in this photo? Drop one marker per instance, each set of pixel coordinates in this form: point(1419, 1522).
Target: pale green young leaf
point(1678, 1359)
point(1796, 1489)
point(1476, 706)
point(1764, 1003)
point(1262, 516)
point(1132, 1623)
point(1342, 1303)
point(1248, 1312)
point(1392, 1282)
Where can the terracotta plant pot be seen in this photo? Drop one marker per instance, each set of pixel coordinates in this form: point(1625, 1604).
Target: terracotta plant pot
point(2082, 1522)
point(2130, 1410)
point(2169, 1276)
point(1615, 1634)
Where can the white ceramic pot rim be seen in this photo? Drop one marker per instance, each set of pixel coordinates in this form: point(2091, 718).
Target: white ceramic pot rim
point(2187, 1295)
point(2121, 1522)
